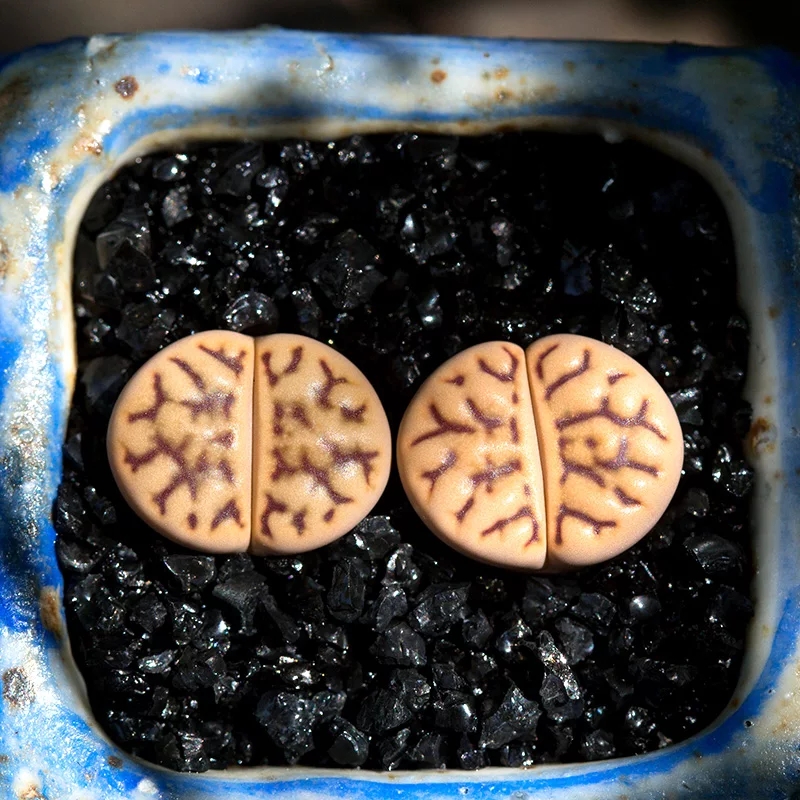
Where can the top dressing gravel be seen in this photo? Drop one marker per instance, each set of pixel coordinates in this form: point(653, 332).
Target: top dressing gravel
point(386, 649)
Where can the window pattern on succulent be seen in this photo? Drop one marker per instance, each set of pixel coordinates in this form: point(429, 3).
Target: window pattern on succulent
point(315, 453)
point(468, 452)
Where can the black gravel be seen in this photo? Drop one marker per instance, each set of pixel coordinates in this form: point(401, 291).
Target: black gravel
point(386, 649)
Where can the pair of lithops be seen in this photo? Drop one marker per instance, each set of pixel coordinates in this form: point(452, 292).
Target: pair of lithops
point(555, 457)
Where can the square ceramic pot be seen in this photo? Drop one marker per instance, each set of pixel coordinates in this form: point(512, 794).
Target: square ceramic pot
point(70, 114)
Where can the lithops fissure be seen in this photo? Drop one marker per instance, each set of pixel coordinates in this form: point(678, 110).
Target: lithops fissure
point(558, 457)
point(224, 443)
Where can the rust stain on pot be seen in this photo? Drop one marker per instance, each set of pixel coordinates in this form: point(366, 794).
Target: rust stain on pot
point(115, 761)
point(503, 95)
point(17, 689)
point(569, 66)
point(88, 144)
point(761, 436)
point(774, 312)
point(30, 792)
point(126, 87)
point(4, 258)
point(438, 75)
point(50, 610)
point(501, 73)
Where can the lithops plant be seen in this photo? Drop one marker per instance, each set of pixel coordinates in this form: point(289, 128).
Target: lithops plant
point(224, 443)
point(557, 457)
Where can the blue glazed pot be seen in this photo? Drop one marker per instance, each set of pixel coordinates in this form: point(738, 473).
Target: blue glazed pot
point(71, 113)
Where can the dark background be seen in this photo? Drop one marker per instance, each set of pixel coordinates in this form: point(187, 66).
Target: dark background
point(716, 22)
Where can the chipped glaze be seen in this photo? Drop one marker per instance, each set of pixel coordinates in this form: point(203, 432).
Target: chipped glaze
point(179, 441)
point(732, 115)
point(322, 446)
point(561, 456)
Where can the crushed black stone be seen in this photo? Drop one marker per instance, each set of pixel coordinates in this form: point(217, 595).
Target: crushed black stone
point(386, 649)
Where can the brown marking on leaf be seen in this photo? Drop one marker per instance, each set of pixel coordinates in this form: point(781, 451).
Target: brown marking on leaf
point(324, 394)
point(211, 403)
point(433, 475)
point(159, 401)
point(526, 512)
point(638, 420)
point(353, 414)
point(464, 510)
point(186, 473)
point(552, 388)
point(226, 471)
point(363, 458)
point(492, 473)
point(282, 466)
point(328, 515)
point(504, 377)
point(194, 376)
point(192, 520)
point(565, 511)
point(457, 381)
point(299, 522)
point(230, 510)
point(444, 426)
point(278, 412)
point(514, 430)
point(486, 422)
point(294, 363)
point(224, 439)
point(273, 507)
point(322, 479)
point(622, 461)
point(616, 376)
point(570, 467)
point(514, 398)
point(234, 363)
point(299, 415)
point(625, 498)
point(320, 475)
point(540, 360)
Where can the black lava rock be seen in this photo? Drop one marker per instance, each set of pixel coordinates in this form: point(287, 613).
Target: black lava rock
point(387, 650)
point(515, 717)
